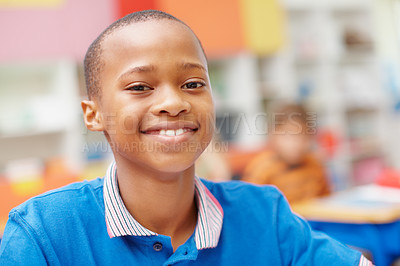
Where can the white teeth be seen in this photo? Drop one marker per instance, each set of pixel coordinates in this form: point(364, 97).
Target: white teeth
point(170, 132)
point(179, 132)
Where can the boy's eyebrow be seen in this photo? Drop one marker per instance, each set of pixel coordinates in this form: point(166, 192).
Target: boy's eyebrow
point(188, 65)
point(149, 68)
point(137, 69)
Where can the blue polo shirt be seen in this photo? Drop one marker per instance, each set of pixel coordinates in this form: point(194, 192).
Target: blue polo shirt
point(238, 224)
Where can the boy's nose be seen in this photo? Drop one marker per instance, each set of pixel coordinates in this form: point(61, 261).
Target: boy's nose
point(170, 101)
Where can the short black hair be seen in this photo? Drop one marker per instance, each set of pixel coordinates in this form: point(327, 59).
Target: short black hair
point(93, 63)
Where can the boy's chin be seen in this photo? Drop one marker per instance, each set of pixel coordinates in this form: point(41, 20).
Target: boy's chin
point(174, 166)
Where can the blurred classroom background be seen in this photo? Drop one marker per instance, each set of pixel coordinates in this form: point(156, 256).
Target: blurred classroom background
point(339, 58)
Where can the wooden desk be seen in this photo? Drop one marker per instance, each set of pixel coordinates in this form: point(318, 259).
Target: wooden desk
point(367, 217)
point(366, 204)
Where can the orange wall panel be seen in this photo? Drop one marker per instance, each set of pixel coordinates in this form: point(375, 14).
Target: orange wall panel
point(126, 7)
point(217, 23)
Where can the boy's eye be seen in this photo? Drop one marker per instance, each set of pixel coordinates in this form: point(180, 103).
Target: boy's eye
point(193, 85)
point(139, 88)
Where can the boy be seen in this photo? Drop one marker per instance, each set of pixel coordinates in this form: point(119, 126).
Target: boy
point(150, 94)
point(288, 163)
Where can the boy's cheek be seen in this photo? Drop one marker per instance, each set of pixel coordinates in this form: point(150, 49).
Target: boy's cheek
point(128, 124)
point(210, 128)
point(121, 123)
point(109, 122)
point(209, 121)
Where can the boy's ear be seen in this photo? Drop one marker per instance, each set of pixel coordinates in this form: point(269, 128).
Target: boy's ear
point(92, 116)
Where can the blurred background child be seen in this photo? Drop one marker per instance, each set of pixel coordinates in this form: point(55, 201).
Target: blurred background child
point(288, 162)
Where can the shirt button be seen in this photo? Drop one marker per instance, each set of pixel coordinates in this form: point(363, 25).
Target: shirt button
point(157, 246)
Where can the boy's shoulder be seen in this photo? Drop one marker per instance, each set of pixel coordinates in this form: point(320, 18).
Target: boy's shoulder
point(69, 197)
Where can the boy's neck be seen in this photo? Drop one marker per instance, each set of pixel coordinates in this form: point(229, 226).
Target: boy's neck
point(162, 203)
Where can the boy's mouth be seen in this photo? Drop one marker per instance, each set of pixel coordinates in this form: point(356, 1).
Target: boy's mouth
point(171, 129)
point(170, 132)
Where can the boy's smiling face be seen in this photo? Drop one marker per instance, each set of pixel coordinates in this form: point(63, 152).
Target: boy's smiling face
point(156, 106)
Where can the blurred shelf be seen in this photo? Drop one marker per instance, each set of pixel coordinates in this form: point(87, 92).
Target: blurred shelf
point(333, 59)
point(338, 5)
point(31, 133)
point(38, 110)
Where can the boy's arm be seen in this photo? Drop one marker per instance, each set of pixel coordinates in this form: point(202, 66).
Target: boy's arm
point(300, 245)
point(19, 244)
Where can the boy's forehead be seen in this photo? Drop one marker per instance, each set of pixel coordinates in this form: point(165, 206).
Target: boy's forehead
point(151, 31)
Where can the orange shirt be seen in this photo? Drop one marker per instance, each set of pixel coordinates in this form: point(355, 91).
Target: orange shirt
point(297, 183)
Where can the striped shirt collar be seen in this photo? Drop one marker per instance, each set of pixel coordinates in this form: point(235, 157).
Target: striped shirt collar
point(121, 223)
